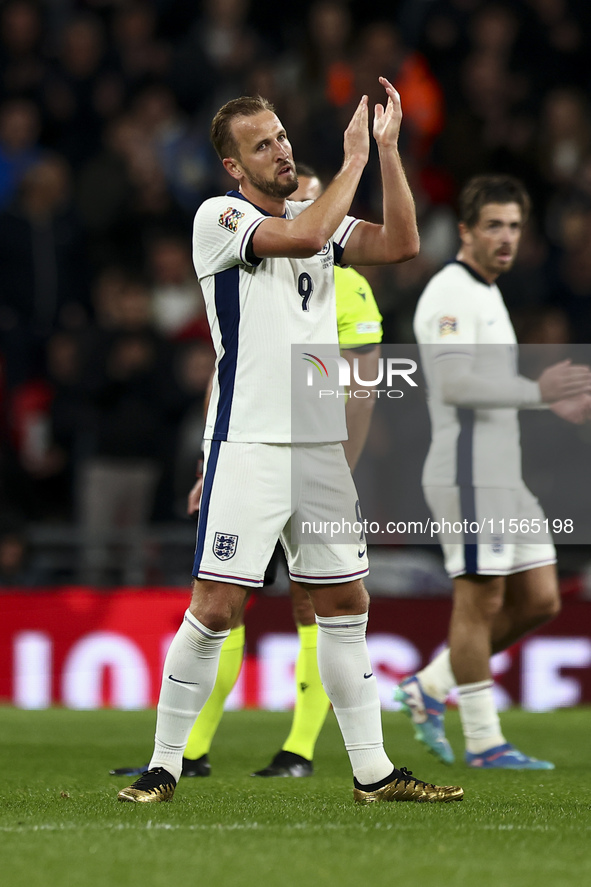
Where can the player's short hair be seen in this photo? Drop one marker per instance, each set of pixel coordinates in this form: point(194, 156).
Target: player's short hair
point(220, 133)
point(484, 189)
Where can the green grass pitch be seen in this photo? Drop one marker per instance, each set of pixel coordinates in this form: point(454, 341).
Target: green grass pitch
point(60, 822)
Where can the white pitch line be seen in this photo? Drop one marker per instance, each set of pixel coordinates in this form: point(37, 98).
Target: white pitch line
point(261, 827)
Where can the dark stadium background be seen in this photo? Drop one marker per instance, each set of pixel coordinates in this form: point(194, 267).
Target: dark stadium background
point(104, 349)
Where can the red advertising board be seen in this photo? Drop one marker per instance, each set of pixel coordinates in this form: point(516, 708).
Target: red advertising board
point(83, 648)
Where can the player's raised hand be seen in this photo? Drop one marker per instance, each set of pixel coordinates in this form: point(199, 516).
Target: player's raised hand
point(356, 139)
point(564, 379)
point(386, 121)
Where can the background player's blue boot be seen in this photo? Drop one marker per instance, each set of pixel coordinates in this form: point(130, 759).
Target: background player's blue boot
point(505, 757)
point(426, 715)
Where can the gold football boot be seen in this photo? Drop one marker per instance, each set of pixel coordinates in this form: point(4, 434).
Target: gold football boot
point(404, 787)
point(152, 787)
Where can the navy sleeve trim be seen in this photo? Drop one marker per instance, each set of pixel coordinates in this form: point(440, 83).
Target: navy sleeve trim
point(249, 252)
point(338, 253)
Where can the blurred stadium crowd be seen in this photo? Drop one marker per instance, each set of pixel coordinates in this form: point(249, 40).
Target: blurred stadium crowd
point(104, 157)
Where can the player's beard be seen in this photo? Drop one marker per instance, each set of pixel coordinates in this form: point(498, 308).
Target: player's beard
point(502, 267)
point(272, 187)
point(488, 261)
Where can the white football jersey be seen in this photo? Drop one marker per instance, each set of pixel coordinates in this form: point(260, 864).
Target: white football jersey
point(258, 309)
point(460, 316)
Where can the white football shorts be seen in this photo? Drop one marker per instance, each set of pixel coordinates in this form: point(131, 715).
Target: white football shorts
point(257, 493)
point(490, 531)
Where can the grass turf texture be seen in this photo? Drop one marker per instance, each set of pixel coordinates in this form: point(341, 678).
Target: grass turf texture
point(60, 822)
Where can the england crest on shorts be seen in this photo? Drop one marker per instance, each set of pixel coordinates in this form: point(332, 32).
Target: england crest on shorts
point(224, 546)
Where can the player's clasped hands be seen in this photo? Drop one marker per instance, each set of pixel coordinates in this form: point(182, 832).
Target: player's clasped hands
point(564, 380)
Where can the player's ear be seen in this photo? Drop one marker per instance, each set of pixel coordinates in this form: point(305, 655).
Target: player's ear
point(465, 233)
point(233, 167)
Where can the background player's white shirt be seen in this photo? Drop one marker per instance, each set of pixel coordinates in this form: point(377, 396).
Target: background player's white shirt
point(256, 313)
point(460, 317)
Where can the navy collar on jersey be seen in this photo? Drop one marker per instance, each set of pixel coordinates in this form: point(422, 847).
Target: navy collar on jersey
point(470, 270)
point(263, 211)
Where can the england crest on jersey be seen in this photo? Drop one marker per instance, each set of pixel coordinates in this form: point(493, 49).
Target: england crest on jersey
point(224, 546)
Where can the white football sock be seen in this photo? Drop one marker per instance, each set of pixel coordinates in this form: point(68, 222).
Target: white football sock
point(190, 670)
point(437, 679)
point(347, 677)
point(480, 720)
